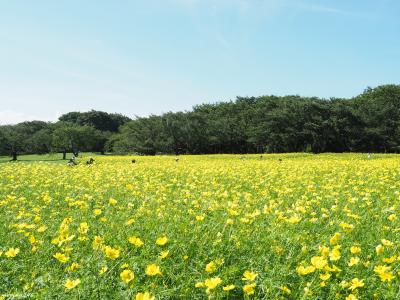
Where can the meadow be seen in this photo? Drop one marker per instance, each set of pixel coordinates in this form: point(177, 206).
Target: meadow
point(287, 226)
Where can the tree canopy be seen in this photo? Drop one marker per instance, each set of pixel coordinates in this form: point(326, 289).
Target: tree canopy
point(369, 122)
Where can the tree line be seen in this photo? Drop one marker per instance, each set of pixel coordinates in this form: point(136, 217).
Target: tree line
point(369, 122)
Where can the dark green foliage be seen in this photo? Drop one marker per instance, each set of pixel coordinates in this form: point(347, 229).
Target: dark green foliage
point(98, 119)
point(369, 122)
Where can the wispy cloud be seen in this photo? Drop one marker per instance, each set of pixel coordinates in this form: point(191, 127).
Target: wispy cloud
point(326, 9)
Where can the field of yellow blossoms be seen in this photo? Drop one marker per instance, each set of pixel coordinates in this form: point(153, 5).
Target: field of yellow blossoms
point(294, 226)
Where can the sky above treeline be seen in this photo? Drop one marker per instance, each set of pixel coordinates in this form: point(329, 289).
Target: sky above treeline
point(148, 57)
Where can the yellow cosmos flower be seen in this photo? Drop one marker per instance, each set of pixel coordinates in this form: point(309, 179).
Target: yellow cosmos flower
point(389, 260)
point(111, 253)
point(12, 252)
point(137, 242)
point(212, 283)
point(318, 262)
point(248, 289)
point(305, 270)
point(199, 284)
point(286, 290)
point(153, 270)
point(353, 261)
point(61, 257)
point(163, 254)
point(112, 201)
point(249, 276)
point(387, 243)
point(335, 253)
point(97, 211)
point(130, 222)
point(355, 250)
point(42, 229)
point(127, 275)
point(351, 297)
point(325, 276)
point(228, 287)
point(161, 241)
point(379, 249)
point(144, 296)
point(83, 228)
point(103, 270)
point(70, 284)
point(211, 267)
point(335, 238)
point(384, 272)
point(355, 284)
point(73, 267)
point(199, 218)
point(324, 251)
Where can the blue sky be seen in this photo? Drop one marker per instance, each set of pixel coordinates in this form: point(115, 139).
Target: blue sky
point(153, 56)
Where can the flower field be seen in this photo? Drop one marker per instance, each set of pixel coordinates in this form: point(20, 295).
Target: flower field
point(294, 226)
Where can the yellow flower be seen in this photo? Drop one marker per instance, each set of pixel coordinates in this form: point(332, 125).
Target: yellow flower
point(153, 270)
point(318, 262)
point(384, 273)
point(248, 289)
point(12, 252)
point(161, 241)
point(111, 253)
point(324, 251)
point(351, 297)
point(199, 218)
point(229, 221)
point(136, 241)
point(228, 287)
point(144, 296)
point(211, 267)
point(356, 283)
point(163, 254)
point(127, 275)
point(335, 253)
point(332, 269)
point(97, 242)
point(124, 266)
point(392, 217)
point(130, 222)
point(353, 261)
point(83, 228)
point(379, 249)
point(112, 201)
point(286, 290)
point(335, 238)
point(325, 276)
point(389, 260)
point(305, 270)
point(74, 266)
point(41, 229)
point(70, 284)
point(249, 276)
point(212, 283)
point(61, 257)
point(97, 211)
point(199, 284)
point(355, 249)
point(387, 243)
point(103, 270)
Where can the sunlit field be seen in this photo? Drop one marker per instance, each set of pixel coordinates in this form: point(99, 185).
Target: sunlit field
point(295, 226)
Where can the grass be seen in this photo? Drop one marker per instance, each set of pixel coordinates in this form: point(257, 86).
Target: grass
point(287, 226)
point(52, 157)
